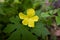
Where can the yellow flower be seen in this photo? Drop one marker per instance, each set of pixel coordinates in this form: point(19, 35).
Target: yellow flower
point(30, 18)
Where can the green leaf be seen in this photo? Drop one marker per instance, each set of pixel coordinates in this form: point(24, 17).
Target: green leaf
point(58, 20)
point(45, 32)
point(15, 35)
point(37, 29)
point(10, 28)
point(59, 12)
point(38, 12)
point(36, 3)
point(9, 10)
point(45, 14)
point(16, 1)
point(49, 21)
point(26, 4)
point(26, 35)
point(1, 12)
point(16, 31)
point(15, 19)
point(40, 29)
point(13, 28)
point(53, 11)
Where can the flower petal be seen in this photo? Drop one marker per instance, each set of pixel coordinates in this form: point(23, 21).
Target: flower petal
point(35, 18)
point(31, 23)
point(25, 21)
point(30, 12)
point(22, 16)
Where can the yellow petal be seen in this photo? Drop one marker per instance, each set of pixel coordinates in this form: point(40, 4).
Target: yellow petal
point(31, 23)
point(25, 21)
point(35, 18)
point(30, 12)
point(22, 16)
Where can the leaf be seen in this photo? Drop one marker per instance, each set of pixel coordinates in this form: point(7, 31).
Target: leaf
point(37, 29)
point(16, 1)
point(15, 19)
point(36, 3)
point(45, 15)
point(15, 35)
point(58, 12)
point(27, 4)
point(58, 20)
point(1, 12)
point(49, 21)
point(45, 32)
point(9, 10)
point(40, 29)
point(53, 11)
point(38, 12)
point(26, 35)
point(10, 28)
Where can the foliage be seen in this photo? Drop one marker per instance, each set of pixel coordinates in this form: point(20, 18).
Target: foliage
point(11, 27)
